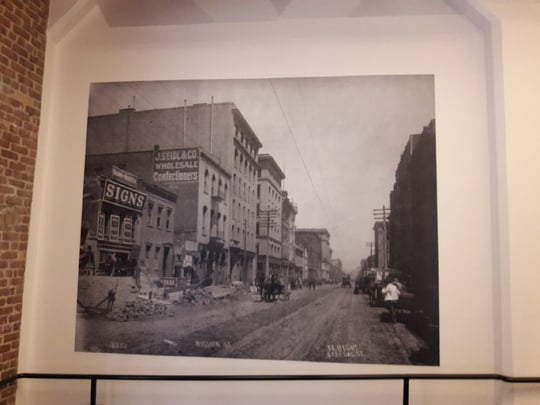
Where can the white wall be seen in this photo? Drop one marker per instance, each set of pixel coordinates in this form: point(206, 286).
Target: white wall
point(520, 29)
point(448, 46)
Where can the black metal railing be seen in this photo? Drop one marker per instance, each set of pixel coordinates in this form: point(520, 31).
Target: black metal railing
point(405, 378)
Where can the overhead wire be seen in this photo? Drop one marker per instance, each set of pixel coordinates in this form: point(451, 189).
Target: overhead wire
point(291, 132)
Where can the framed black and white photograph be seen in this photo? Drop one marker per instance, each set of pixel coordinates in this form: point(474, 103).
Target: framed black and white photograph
point(269, 219)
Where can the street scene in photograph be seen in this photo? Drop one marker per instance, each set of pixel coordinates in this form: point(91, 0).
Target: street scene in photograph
point(282, 219)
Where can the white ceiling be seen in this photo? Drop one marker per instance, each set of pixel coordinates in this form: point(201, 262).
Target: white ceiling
point(122, 13)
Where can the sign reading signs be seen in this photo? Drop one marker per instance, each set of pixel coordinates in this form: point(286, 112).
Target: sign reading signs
point(176, 165)
point(123, 196)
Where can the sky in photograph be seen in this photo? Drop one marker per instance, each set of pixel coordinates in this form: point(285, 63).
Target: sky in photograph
point(338, 140)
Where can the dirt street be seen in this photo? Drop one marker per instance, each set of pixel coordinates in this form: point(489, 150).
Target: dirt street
point(330, 324)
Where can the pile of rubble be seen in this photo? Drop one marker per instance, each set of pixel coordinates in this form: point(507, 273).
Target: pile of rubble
point(195, 297)
point(139, 309)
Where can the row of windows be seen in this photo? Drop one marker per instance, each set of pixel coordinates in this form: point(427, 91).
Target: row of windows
point(242, 213)
point(239, 234)
point(244, 166)
point(159, 216)
point(148, 251)
point(273, 193)
point(214, 216)
point(215, 186)
point(262, 229)
point(275, 248)
point(243, 189)
point(245, 143)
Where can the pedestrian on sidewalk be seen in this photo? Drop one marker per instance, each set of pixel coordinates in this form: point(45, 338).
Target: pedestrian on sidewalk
point(391, 295)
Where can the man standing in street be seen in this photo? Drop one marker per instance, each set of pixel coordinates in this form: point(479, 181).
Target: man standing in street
point(391, 296)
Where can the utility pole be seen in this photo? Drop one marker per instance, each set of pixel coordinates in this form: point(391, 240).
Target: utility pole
point(382, 215)
point(371, 245)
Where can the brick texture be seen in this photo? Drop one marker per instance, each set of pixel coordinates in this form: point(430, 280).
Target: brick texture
point(23, 25)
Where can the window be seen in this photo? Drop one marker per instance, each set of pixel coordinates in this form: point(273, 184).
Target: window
point(159, 213)
point(150, 212)
point(156, 252)
point(168, 223)
point(148, 248)
point(206, 175)
point(204, 212)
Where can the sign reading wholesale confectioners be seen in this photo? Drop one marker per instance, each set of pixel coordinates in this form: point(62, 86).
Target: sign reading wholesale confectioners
point(176, 165)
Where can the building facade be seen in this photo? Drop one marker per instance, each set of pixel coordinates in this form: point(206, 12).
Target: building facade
point(317, 244)
point(127, 224)
point(269, 217)
point(289, 210)
point(206, 155)
point(413, 219)
point(380, 233)
point(245, 170)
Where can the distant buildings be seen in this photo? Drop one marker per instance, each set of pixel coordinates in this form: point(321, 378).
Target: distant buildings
point(317, 244)
point(184, 193)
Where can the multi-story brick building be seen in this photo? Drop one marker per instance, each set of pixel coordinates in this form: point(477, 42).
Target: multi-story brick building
point(413, 219)
point(206, 154)
point(244, 179)
point(128, 226)
point(270, 196)
point(289, 211)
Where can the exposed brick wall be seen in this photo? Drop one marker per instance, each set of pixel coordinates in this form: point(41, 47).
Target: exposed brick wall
point(23, 25)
